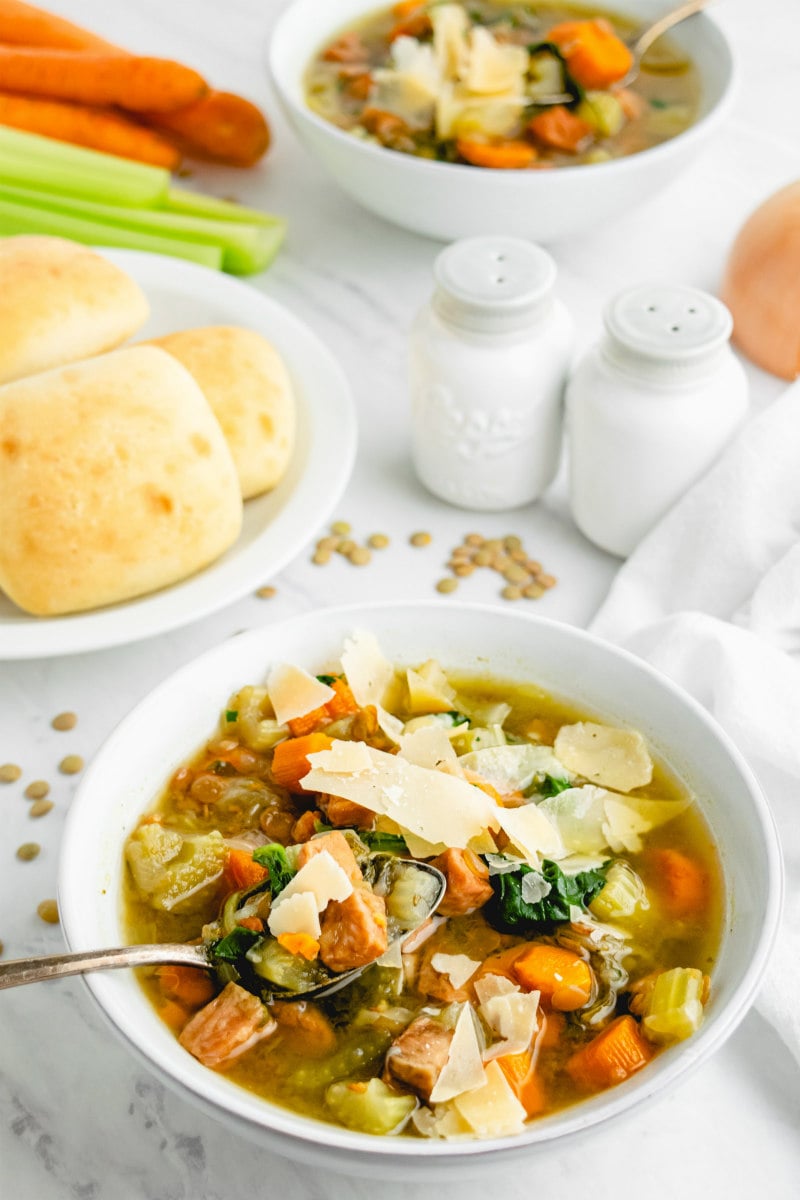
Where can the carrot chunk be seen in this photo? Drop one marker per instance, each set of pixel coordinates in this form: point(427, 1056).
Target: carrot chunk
point(299, 943)
point(680, 880)
point(290, 759)
point(611, 1057)
point(506, 156)
point(595, 56)
point(562, 130)
point(525, 1083)
point(241, 871)
point(562, 977)
point(189, 986)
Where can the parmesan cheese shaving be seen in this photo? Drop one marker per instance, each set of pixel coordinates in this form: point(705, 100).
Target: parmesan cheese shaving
point(464, 1067)
point(514, 1017)
point(489, 986)
point(293, 692)
point(298, 914)
point(614, 758)
point(531, 832)
point(322, 877)
point(457, 967)
point(430, 746)
point(491, 1110)
point(369, 674)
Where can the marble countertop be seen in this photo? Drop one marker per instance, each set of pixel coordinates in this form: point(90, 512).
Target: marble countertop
point(79, 1117)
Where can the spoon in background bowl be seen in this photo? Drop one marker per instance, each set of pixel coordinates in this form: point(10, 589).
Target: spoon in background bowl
point(57, 966)
point(639, 46)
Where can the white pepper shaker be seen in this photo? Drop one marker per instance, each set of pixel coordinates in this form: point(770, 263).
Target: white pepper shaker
point(649, 409)
point(489, 360)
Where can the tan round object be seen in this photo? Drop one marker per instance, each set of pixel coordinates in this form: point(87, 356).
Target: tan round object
point(247, 385)
point(115, 480)
point(60, 302)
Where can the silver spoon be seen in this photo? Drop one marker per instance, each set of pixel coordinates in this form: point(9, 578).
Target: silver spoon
point(640, 46)
point(19, 971)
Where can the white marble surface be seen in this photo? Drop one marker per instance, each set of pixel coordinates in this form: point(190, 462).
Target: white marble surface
point(78, 1116)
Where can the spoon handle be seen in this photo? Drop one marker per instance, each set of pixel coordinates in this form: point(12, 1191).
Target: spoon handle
point(653, 32)
point(56, 966)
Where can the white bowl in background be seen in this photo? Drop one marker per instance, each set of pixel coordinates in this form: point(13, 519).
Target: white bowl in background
point(449, 200)
point(174, 721)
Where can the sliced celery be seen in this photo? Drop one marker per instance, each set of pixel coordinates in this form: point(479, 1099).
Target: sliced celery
point(33, 161)
point(196, 204)
point(245, 248)
point(622, 894)
point(16, 217)
point(369, 1107)
point(675, 1005)
point(603, 111)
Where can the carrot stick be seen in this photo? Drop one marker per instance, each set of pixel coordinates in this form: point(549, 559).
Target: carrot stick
point(132, 82)
point(24, 25)
point(290, 759)
point(610, 1057)
point(96, 128)
point(502, 155)
point(220, 126)
point(563, 978)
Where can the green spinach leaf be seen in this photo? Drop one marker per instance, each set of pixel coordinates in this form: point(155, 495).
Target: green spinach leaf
point(509, 910)
point(273, 857)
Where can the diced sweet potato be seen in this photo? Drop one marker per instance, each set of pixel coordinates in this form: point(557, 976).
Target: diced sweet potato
point(338, 847)
point(417, 1057)
point(353, 930)
point(305, 1026)
point(344, 813)
point(306, 826)
point(225, 1028)
point(468, 884)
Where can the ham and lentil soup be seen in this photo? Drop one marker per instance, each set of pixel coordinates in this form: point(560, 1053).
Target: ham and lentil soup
point(497, 84)
point(573, 943)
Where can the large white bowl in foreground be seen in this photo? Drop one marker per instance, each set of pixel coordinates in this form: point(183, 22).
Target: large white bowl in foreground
point(131, 769)
point(448, 201)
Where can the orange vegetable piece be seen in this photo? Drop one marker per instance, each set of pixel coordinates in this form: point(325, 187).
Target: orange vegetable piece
point(290, 759)
point(96, 128)
point(561, 129)
point(220, 126)
point(681, 881)
point(348, 48)
point(190, 986)
point(241, 871)
point(23, 25)
point(99, 77)
point(254, 923)
point(525, 1083)
point(342, 704)
point(504, 156)
point(309, 721)
point(174, 1015)
point(416, 25)
point(564, 979)
point(553, 1025)
point(611, 1057)
point(300, 943)
point(595, 56)
point(404, 8)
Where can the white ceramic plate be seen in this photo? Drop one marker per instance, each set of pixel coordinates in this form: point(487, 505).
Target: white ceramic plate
point(276, 525)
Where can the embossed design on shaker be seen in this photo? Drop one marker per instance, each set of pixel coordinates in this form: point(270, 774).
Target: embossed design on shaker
point(474, 433)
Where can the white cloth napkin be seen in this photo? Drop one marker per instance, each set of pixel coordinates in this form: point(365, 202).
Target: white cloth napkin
point(711, 597)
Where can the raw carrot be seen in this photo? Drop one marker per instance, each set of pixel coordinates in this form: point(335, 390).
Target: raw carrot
point(525, 1083)
point(594, 55)
point(561, 129)
point(220, 126)
point(612, 1056)
point(505, 156)
point(241, 871)
point(290, 759)
point(299, 943)
point(680, 880)
point(132, 82)
point(23, 25)
point(188, 985)
point(564, 979)
point(96, 128)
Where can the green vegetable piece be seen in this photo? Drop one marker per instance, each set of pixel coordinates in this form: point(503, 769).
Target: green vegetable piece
point(551, 786)
point(603, 111)
point(235, 945)
point(383, 843)
point(453, 718)
point(271, 961)
point(675, 1006)
point(329, 680)
point(231, 714)
point(273, 857)
point(510, 911)
point(622, 894)
point(172, 868)
point(369, 1107)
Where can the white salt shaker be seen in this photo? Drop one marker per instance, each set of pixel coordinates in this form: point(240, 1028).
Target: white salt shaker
point(489, 360)
point(649, 409)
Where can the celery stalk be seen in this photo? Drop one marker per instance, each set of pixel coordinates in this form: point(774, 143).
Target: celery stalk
point(196, 204)
point(24, 218)
point(27, 159)
point(245, 248)
point(675, 1005)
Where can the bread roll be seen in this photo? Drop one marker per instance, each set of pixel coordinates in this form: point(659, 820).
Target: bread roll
point(60, 302)
point(246, 383)
point(115, 480)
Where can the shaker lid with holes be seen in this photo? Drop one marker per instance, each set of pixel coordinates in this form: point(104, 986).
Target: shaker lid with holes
point(493, 284)
point(668, 322)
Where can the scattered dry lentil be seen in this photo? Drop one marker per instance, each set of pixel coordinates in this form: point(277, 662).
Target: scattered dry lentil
point(511, 592)
point(533, 591)
point(346, 547)
point(64, 721)
point(48, 911)
point(28, 851)
point(483, 558)
point(515, 573)
point(378, 541)
point(40, 808)
point(71, 764)
point(342, 528)
point(507, 556)
point(463, 568)
point(37, 790)
point(474, 539)
point(421, 538)
point(328, 543)
point(2, 948)
point(512, 542)
point(266, 593)
point(359, 556)
point(321, 557)
point(548, 581)
point(10, 773)
point(447, 585)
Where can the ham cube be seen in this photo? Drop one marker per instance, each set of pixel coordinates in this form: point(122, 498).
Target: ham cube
point(225, 1028)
